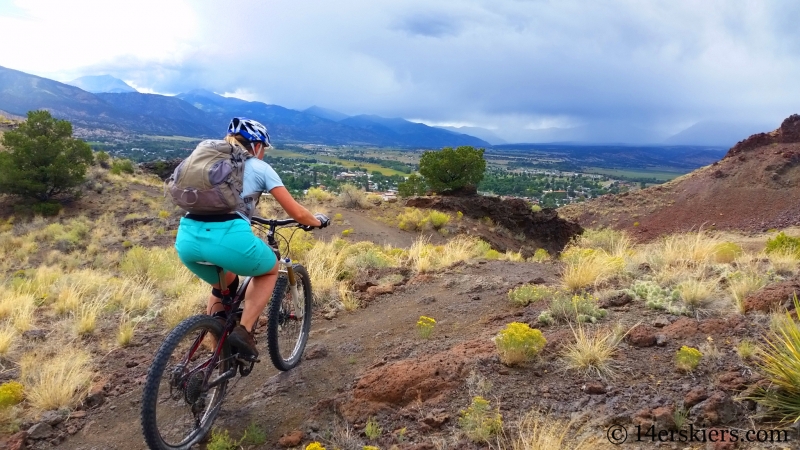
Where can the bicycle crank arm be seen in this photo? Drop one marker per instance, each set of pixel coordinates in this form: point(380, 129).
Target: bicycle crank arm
point(230, 373)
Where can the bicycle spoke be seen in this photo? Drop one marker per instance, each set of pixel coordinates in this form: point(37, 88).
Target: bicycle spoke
point(181, 410)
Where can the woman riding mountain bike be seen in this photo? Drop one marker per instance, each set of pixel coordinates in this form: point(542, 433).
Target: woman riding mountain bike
point(205, 242)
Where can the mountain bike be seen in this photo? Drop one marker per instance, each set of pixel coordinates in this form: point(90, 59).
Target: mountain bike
point(189, 376)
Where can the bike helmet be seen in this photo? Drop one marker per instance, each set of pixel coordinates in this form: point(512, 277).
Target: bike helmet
point(250, 129)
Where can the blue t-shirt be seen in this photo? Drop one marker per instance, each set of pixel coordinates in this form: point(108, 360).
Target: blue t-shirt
point(259, 177)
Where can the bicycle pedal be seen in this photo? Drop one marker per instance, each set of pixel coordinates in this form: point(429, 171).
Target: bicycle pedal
point(244, 359)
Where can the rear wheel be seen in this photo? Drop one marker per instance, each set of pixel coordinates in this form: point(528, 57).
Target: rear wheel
point(178, 407)
point(289, 320)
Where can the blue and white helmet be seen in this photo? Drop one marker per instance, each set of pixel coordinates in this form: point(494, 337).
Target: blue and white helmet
point(250, 129)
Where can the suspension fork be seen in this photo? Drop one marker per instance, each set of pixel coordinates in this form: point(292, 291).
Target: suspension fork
point(292, 277)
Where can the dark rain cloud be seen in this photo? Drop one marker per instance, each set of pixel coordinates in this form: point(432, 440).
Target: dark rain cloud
point(655, 67)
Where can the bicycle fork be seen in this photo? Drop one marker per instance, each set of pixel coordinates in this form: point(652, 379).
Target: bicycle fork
point(297, 311)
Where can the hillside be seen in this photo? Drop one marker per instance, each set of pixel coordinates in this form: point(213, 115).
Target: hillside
point(753, 188)
point(109, 258)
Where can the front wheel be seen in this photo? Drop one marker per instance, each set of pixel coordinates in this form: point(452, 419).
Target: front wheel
point(289, 320)
point(178, 406)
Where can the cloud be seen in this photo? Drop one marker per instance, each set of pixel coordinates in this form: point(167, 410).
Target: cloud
point(509, 65)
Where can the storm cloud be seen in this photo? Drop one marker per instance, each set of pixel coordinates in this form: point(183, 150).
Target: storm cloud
point(610, 68)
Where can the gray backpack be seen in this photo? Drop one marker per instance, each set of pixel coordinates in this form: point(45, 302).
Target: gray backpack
point(210, 180)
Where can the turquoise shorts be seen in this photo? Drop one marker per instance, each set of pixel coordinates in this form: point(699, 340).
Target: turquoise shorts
point(230, 245)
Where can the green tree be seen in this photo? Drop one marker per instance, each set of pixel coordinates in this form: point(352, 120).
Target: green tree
point(43, 160)
point(453, 170)
point(414, 185)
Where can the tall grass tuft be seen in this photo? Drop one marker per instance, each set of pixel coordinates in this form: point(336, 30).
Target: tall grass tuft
point(784, 262)
point(684, 248)
point(347, 299)
point(613, 242)
point(57, 380)
point(7, 337)
point(191, 301)
point(538, 431)
point(696, 293)
point(589, 267)
point(22, 315)
point(592, 353)
point(742, 284)
point(325, 263)
point(125, 332)
point(779, 361)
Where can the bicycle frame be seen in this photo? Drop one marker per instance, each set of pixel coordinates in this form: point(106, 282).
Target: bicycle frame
point(231, 304)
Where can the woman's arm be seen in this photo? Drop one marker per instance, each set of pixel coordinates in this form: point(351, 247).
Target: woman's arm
point(295, 210)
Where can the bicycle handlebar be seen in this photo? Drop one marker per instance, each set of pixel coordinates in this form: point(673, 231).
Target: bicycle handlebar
point(273, 222)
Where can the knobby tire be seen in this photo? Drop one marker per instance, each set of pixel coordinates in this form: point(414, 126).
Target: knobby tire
point(158, 395)
point(286, 336)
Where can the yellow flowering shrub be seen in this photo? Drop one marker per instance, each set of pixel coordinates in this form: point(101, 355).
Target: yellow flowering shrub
point(518, 343)
point(480, 421)
point(11, 393)
point(425, 326)
point(687, 358)
point(315, 446)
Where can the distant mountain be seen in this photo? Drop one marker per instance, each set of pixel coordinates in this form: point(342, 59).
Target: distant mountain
point(411, 133)
point(289, 125)
point(101, 84)
point(325, 113)
point(482, 133)
point(724, 134)
point(201, 113)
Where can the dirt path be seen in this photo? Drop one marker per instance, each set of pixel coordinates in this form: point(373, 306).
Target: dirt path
point(463, 301)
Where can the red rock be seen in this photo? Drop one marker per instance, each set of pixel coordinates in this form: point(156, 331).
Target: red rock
point(694, 397)
point(16, 441)
point(663, 418)
point(595, 388)
point(722, 439)
point(642, 336)
point(430, 377)
point(292, 439)
point(772, 296)
point(731, 381)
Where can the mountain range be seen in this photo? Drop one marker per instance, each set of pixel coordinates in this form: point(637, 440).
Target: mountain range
point(109, 105)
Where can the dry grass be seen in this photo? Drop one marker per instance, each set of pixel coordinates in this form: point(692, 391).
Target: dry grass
point(134, 297)
point(191, 301)
point(613, 242)
point(422, 256)
point(695, 293)
point(325, 262)
point(125, 332)
point(22, 314)
point(7, 337)
point(699, 247)
point(742, 284)
point(784, 263)
point(86, 316)
point(539, 431)
point(8, 301)
point(592, 353)
point(69, 298)
point(589, 267)
point(347, 299)
point(58, 379)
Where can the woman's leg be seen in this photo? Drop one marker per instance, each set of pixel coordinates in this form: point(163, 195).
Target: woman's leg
point(257, 296)
point(214, 302)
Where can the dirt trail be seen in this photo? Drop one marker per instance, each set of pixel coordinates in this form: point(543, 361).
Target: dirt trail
point(351, 343)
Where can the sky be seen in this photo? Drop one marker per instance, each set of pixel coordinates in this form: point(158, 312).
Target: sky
point(608, 70)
